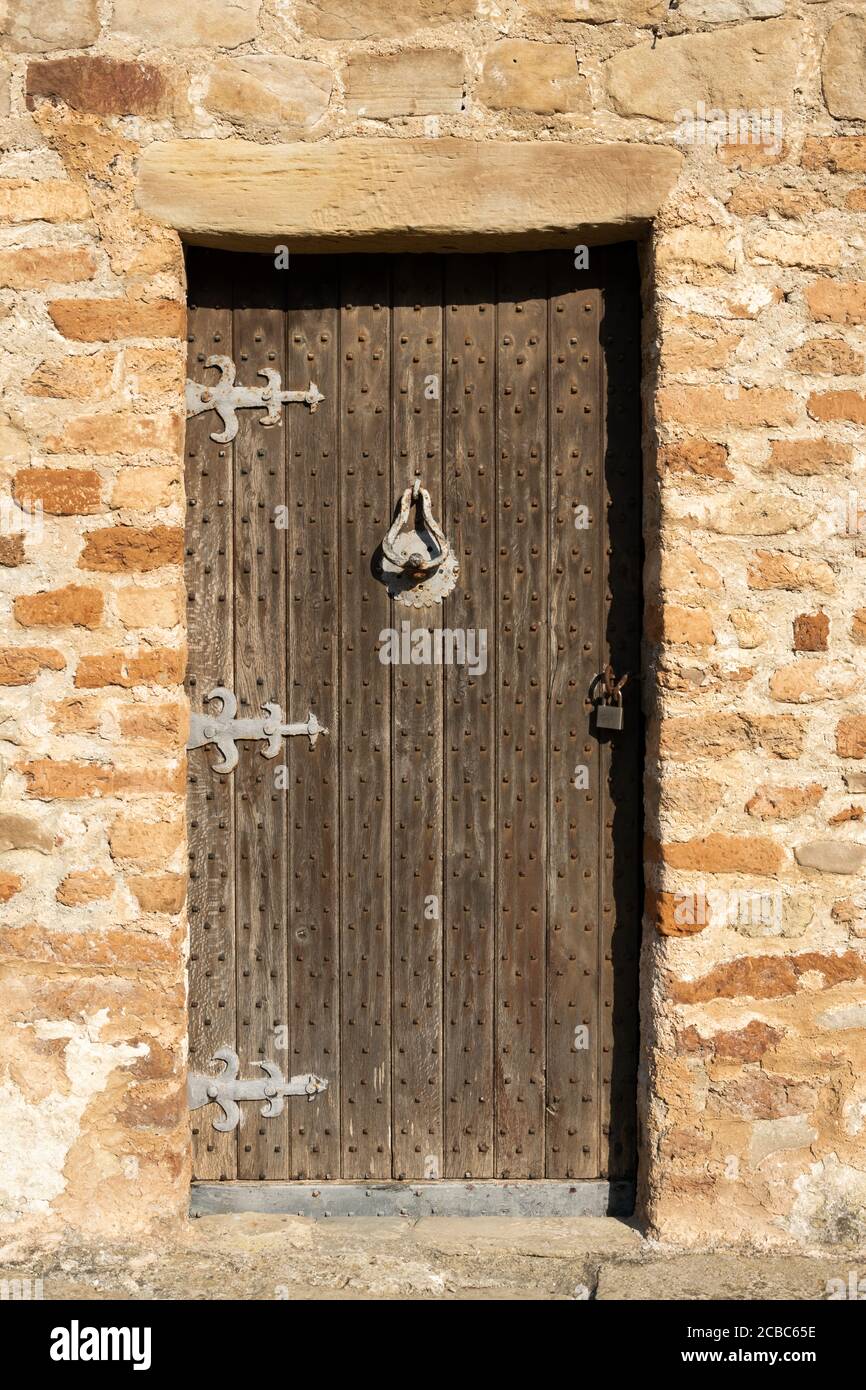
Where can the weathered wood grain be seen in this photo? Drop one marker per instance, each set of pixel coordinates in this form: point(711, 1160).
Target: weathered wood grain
point(365, 736)
point(416, 777)
point(313, 683)
point(469, 417)
point(208, 553)
point(260, 675)
point(577, 540)
point(521, 580)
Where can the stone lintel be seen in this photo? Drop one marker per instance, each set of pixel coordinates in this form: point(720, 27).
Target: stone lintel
point(390, 195)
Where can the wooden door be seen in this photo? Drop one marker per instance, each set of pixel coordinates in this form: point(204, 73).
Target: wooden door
point(437, 907)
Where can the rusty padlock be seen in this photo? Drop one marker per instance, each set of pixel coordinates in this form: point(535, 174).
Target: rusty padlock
point(608, 714)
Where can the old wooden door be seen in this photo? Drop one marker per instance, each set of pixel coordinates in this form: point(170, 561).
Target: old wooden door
point(437, 907)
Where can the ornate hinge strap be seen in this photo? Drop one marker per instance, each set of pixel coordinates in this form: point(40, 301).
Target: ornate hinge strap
point(226, 398)
point(224, 730)
point(226, 1089)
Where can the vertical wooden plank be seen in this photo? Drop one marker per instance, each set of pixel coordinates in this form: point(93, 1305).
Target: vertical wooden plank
point(469, 416)
point(210, 803)
point(416, 452)
point(313, 652)
point(365, 736)
point(521, 716)
point(621, 818)
point(578, 522)
point(260, 676)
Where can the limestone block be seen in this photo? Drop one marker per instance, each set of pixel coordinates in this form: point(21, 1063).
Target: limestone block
point(376, 19)
point(32, 26)
point(194, 24)
point(748, 67)
point(642, 13)
point(423, 82)
point(526, 76)
point(843, 68)
point(831, 856)
point(269, 93)
point(728, 11)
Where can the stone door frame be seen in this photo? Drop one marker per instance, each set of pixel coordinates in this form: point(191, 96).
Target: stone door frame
point(433, 196)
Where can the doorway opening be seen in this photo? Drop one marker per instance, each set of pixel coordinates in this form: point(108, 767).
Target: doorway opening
point(433, 908)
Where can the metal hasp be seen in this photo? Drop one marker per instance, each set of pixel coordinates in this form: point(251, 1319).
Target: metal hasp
point(224, 729)
point(226, 1090)
point(417, 566)
point(608, 714)
point(226, 398)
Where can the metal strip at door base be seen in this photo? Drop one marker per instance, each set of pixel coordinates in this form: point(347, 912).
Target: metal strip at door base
point(541, 1197)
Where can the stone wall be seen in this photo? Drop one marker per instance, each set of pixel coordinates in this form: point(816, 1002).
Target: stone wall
point(754, 1001)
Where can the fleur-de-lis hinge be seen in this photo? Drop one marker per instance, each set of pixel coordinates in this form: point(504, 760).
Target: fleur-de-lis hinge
point(226, 398)
point(227, 1089)
point(224, 730)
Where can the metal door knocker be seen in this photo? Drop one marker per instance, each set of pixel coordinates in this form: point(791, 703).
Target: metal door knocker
point(608, 714)
point(417, 565)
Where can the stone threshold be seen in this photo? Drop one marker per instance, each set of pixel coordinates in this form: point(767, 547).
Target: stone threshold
point(274, 1257)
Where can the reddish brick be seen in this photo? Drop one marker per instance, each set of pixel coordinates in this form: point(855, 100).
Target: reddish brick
point(131, 549)
point(11, 551)
point(154, 1107)
point(156, 666)
point(106, 320)
point(678, 914)
point(159, 726)
point(851, 737)
point(745, 1044)
point(767, 977)
point(698, 457)
point(73, 606)
point(49, 779)
point(838, 405)
point(159, 892)
point(79, 715)
point(725, 854)
point(148, 843)
point(831, 301)
point(10, 884)
point(79, 377)
point(710, 407)
point(844, 154)
point(86, 886)
point(62, 491)
point(811, 632)
point(782, 803)
point(826, 357)
point(807, 457)
point(21, 665)
point(34, 267)
point(115, 948)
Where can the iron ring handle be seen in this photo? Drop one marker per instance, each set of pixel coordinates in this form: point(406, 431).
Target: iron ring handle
point(416, 563)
